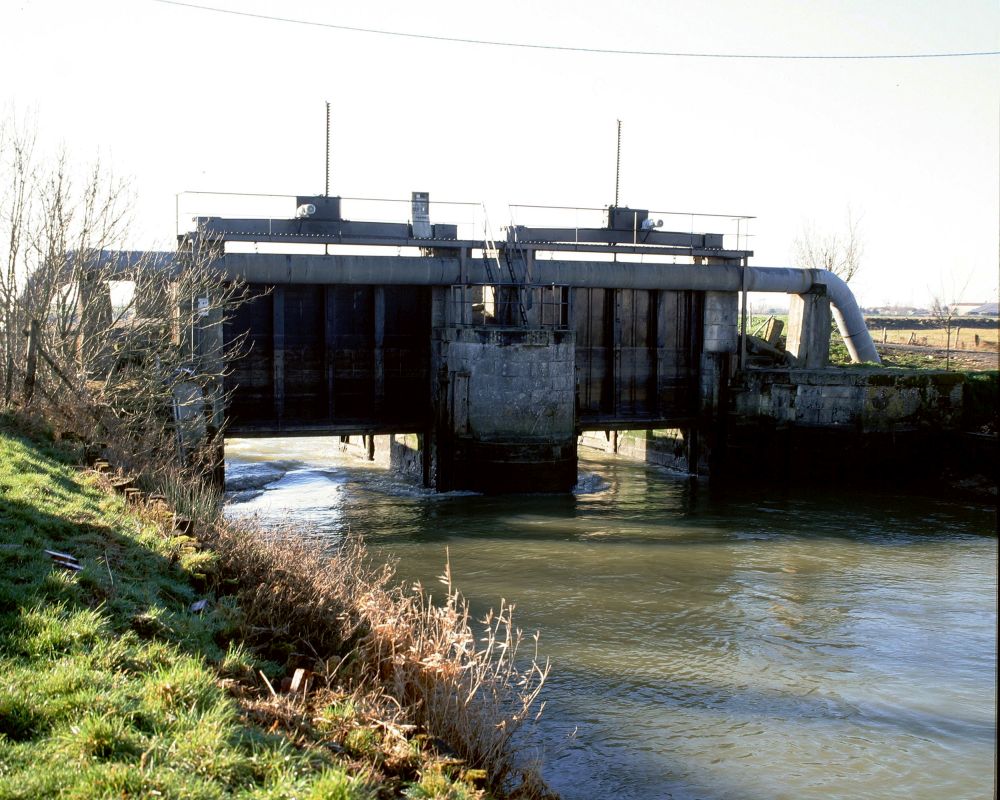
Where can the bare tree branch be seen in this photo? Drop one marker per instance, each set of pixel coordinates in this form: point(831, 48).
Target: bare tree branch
point(839, 253)
point(944, 308)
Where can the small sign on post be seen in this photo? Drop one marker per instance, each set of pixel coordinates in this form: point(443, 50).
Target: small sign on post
point(421, 213)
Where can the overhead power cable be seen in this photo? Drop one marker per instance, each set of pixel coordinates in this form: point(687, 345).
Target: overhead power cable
point(567, 48)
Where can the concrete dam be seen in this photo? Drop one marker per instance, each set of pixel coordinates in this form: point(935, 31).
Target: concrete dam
point(478, 363)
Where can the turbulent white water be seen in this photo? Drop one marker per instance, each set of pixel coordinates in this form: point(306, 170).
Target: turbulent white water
point(746, 646)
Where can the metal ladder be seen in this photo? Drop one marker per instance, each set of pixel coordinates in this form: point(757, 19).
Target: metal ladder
point(516, 282)
point(517, 265)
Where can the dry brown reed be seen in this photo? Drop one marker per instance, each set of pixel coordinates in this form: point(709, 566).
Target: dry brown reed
point(471, 688)
point(292, 594)
point(473, 693)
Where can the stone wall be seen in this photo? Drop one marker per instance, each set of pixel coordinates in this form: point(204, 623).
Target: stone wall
point(401, 452)
point(512, 384)
point(860, 399)
point(837, 425)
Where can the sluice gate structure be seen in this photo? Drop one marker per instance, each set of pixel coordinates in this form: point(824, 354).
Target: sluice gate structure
point(483, 361)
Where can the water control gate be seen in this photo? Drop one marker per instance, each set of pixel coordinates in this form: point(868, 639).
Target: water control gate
point(496, 357)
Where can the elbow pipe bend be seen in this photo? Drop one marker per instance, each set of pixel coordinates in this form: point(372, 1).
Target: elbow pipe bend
point(850, 321)
point(846, 313)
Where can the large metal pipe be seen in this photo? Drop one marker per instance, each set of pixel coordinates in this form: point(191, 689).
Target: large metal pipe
point(722, 278)
point(846, 313)
point(444, 271)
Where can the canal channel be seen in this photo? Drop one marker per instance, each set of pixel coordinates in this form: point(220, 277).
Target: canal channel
point(778, 643)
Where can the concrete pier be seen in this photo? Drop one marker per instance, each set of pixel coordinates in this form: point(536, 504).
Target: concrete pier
point(505, 410)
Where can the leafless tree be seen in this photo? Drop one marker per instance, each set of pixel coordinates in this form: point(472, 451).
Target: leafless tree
point(840, 253)
point(16, 194)
point(130, 372)
point(944, 309)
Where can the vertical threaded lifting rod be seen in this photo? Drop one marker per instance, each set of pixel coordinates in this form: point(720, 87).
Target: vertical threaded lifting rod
point(327, 192)
point(618, 161)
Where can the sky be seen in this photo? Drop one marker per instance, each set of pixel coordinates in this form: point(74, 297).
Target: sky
point(184, 99)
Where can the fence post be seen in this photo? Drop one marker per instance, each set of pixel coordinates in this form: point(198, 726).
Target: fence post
point(32, 365)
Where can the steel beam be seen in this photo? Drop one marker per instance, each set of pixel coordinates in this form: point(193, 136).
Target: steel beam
point(303, 231)
point(543, 236)
point(637, 249)
point(340, 428)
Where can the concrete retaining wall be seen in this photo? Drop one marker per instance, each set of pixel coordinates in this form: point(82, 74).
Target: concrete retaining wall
point(400, 452)
point(865, 400)
point(834, 424)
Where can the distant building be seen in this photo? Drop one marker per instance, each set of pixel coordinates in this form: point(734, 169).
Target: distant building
point(895, 311)
point(974, 309)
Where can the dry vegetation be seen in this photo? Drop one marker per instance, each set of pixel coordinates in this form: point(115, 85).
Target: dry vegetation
point(970, 344)
point(920, 342)
point(357, 632)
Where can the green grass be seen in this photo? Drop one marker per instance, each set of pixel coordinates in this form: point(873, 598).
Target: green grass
point(109, 686)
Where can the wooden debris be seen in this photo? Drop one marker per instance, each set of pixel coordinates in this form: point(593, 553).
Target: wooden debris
point(269, 686)
point(92, 452)
point(773, 331)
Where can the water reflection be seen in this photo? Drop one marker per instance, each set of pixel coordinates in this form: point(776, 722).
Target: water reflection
point(706, 645)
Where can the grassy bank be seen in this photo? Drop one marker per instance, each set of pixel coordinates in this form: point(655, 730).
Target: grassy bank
point(152, 664)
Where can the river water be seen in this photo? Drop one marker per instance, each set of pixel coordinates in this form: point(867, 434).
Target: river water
point(756, 645)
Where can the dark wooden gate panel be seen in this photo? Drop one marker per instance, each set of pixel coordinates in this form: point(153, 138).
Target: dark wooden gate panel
point(305, 384)
point(636, 354)
point(679, 320)
point(352, 341)
point(249, 335)
point(594, 384)
point(319, 356)
point(406, 352)
point(635, 366)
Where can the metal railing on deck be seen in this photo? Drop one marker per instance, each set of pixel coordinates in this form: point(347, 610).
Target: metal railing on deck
point(734, 228)
point(467, 217)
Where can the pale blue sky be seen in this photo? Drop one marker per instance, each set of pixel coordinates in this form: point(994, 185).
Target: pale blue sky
point(193, 100)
